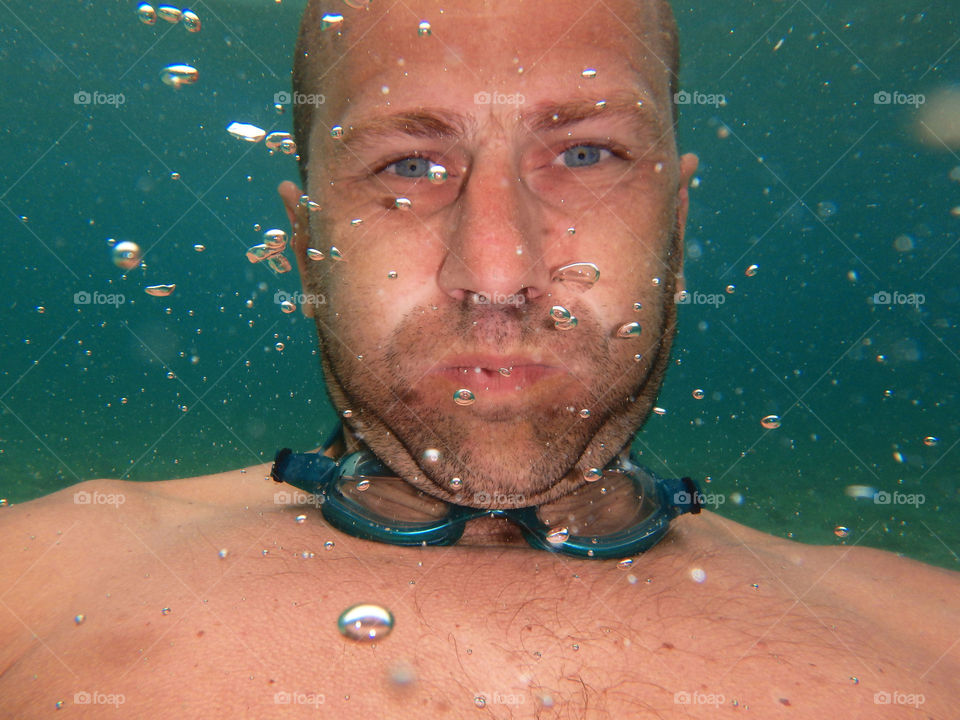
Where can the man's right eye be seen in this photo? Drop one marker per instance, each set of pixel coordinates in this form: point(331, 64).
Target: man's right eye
point(409, 167)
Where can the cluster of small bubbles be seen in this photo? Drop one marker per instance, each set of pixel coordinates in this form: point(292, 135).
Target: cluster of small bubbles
point(592, 474)
point(629, 330)
point(431, 455)
point(826, 209)
point(392, 275)
point(314, 254)
point(464, 397)
point(222, 554)
point(279, 347)
point(655, 281)
point(424, 28)
point(730, 289)
point(160, 290)
point(177, 76)
point(402, 203)
point(562, 318)
point(365, 622)
point(79, 618)
point(126, 254)
point(698, 394)
point(770, 422)
point(558, 536)
point(347, 413)
point(751, 270)
point(698, 575)
point(841, 531)
point(301, 519)
point(281, 141)
point(328, 545)
point(585, 413)
point(931, 441)
point(589, 73)
point(336, 132)
point(336, 254)
point(455, 482)
point(288, 307)
point(437, 174)
point(582, 272)
point(330, 20)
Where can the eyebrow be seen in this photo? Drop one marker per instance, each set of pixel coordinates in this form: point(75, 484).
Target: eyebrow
point(438, 124)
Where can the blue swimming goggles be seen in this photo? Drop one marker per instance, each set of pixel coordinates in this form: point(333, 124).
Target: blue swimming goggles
point(626, 511)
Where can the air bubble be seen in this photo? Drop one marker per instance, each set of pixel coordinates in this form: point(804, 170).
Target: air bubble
point(146, 13)
point(336, 132)
point(274, 140)
point(177, 75)
point(931, 441)
point(314, 254)
point(841, 531)
point(637, 306)
point(191, 21)
point(464, 397)
point(585, 413)
point(751, 271)
point(171, 14)
point(424, 28)
point(431, 455)
point(199, 248)
point(558, 536)
point(592, 474)
point(402, 203)
point(437, 174)
point(279, 347)
point(160, 290)
point(364, 623)
point(287, 307)
point(771, 422)
point(583, 272)
point(245, 131)
point(730, 289)
point(330, 20)
point(589, 73)
point(698, 394)
point(336, 254)
point(629, 330)
point(300, 519)
point(126, 255)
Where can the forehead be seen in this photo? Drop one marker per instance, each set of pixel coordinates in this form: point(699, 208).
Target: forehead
point(533, 48)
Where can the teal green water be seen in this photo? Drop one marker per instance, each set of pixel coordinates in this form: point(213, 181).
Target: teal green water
point(802, 173)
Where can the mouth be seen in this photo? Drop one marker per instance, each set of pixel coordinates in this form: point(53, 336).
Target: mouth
point(492, 374)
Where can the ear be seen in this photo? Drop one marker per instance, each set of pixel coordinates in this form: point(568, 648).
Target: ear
point(688, 166)
point(300, 229)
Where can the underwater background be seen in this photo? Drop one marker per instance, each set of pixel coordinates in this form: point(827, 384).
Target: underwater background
point(829, 144)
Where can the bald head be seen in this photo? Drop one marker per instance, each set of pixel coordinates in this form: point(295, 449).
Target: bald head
point(321, 53)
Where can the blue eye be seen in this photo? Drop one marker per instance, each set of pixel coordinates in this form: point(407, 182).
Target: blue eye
point(582, 156)
point(411, 167)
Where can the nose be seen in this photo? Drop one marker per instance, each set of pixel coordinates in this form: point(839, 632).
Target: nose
point(495, 250)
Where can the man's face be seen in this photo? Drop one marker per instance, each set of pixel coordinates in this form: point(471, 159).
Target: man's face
point(554, 129)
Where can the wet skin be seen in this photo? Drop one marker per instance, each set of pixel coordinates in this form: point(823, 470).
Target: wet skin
point(772, 627)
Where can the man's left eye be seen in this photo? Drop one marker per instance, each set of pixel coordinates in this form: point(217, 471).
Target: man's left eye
point(582, 156)
point(411, 167)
